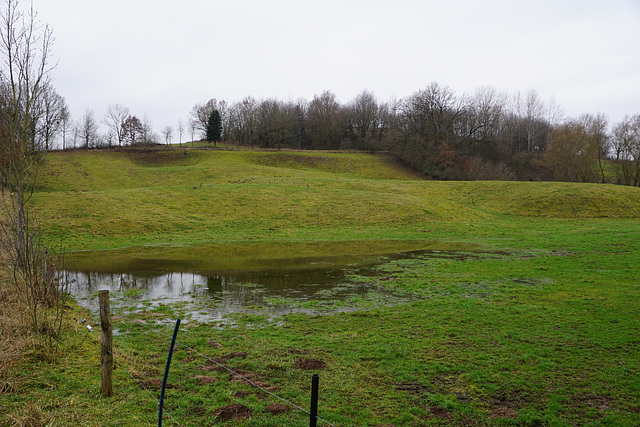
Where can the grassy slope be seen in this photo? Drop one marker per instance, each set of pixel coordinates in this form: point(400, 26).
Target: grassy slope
point(105, 200)
point(547, 334)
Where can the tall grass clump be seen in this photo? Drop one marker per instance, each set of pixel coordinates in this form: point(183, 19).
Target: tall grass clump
point(35, 286)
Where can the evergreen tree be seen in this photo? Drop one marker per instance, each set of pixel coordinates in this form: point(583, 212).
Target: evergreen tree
point(214, 127)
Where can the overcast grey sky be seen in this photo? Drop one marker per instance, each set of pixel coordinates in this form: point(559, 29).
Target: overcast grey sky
point(161, 57)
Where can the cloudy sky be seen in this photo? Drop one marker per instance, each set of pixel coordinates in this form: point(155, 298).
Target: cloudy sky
point(160, 58)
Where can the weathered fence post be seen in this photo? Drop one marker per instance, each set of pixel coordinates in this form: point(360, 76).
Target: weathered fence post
point(313, 414)
point(106, 345)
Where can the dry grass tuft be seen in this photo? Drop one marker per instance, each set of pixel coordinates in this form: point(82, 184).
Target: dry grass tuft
point(30, 415)
point(15, 337)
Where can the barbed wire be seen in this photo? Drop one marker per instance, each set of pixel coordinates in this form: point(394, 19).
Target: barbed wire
point(135, 379)
point(231, 371)
point(148, 391)
point(249, 381)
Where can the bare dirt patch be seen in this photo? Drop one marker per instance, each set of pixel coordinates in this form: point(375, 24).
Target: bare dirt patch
point(440, 412)
point(309, 364)
point(277, 408)
point(205, 379)
point(503, 412)
point(235, 411)
point(241, 394)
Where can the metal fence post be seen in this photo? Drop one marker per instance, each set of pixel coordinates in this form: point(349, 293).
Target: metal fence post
point(313, 413)
point(166, 372)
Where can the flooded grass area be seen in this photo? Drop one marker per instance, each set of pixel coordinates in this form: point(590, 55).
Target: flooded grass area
point(213, 284)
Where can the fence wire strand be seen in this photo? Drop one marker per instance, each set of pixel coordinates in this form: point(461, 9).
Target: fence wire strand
point(148, 391)
point(139, 383)
point(222, 366)
point(249, 381)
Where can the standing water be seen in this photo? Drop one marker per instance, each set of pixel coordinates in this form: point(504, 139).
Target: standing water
point(211, 283)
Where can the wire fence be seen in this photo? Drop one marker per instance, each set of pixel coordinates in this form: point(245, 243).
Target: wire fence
point(210, 360)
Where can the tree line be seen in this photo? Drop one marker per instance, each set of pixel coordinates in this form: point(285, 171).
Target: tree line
point(484, 135)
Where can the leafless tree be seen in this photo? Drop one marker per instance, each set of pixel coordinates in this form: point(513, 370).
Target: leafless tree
point(364, 117)
point(50, 116)
point(200, 115)
point(167, 133)
point(148, 136)
point(244, 120)
point(115, 118)
point(65, 125)
point(432, 113)
point(533, 113)
point(325, 124)
point(88, 129)
point(26, 124)
point(275, 124)
point(25, 46)
point(595, 126)
point(192, 130)
point(486, 112)
point(626, 144)
point(181, 130)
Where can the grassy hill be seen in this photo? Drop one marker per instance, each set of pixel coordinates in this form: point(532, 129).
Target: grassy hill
point(539, 326)
point(105, 199)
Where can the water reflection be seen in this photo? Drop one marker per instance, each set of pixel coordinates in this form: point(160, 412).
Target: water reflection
point(213, 287)
point(273, 292)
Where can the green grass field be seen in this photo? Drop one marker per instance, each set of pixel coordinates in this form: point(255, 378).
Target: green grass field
point(540, 327)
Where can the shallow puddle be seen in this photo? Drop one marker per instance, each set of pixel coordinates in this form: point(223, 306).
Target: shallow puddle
point(270, 280)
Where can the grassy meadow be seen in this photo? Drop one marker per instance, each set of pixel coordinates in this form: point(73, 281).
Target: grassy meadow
point(536, 325)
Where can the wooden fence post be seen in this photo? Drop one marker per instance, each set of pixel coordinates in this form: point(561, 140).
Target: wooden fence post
point(106, 345)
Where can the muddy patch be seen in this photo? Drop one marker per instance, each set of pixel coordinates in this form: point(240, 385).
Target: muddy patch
point(235, 411)
point(277, 408)
point(310, 364)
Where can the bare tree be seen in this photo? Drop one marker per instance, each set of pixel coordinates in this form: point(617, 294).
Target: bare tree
point(115, 118)
point(192, 130)
point(181, 130)
point(49, 122)
point(88, 129)
point(595, 127)
point(25, 128)
point(25, 46)
point(167, 133)
point(148, 136)
point(432, 113)
point(324, 122)
point(626, 144)
point(200, 115)
point(275, 124)
point(364, 118)
point(533, 114)
point(65, 125)
point(243, 121)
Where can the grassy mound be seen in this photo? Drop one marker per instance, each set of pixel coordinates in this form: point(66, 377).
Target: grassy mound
point(540, 328)
point(553, 199)
point(115, 199)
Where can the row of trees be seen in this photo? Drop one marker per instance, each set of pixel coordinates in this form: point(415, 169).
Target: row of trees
point(484, 135)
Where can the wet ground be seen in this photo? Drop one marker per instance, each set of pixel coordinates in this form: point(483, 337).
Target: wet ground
point(268, 283)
